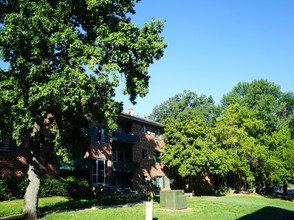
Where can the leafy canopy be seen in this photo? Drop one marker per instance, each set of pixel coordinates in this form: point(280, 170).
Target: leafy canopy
point(262, 96)
point(186, 100)
point(249, 143)
point(65, 59)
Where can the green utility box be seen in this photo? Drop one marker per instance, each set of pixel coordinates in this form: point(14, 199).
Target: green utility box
point(173, 200)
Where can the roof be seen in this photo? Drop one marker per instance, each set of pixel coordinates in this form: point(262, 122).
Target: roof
point(130, 117)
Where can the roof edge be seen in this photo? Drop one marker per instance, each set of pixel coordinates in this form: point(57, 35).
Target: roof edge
point(141, 119)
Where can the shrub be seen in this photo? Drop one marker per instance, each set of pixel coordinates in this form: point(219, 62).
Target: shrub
point(5, 192)
point(53, 187)
point(78, 187)
point(15, 188)
point(12, 188)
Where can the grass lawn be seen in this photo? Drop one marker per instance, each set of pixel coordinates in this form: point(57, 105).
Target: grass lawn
point(49, 204)
point(228, 207)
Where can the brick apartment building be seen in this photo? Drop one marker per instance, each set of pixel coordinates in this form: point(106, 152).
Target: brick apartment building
point(13, 161)
point(128, 159)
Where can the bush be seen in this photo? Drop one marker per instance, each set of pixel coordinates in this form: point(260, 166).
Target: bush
point(12, 188)
point(15, 188)
point(53, 187)
point(78, 187)
point(5, 192)
point(69, 186)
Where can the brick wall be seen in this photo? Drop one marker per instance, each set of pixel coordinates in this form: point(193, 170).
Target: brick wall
point(148, 168)
point(13, 164)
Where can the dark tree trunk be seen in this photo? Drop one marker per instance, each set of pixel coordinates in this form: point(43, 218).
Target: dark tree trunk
point(32, 191)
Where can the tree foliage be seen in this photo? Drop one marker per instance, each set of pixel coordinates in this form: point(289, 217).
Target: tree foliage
point(250, 142)
point(178, 103)
point(262, 96)
point(279, 166)
point(274, 109)
point(237, 131)
point(65, 59)
point(184, 141)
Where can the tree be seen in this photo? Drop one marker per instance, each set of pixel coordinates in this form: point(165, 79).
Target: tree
point(286, 113)
point(248, 144)
point(65, 61)
point(183, 136)
point(189, 150)
point(278, 168)
point(237, 131)
point(275, 109)
point(188, 119)
point(262, 96)
point(178, 103)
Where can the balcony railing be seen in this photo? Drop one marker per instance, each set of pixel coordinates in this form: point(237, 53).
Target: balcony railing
point(78, 164)
point(125, 167)
point(123, 137)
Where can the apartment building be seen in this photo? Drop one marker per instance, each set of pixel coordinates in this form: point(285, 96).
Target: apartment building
point(130, 158)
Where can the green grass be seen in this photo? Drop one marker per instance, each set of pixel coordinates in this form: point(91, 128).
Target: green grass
point(49, 204)
point(228, 207)
point(11, 207)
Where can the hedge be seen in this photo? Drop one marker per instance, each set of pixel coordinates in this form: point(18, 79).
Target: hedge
point(15, 188)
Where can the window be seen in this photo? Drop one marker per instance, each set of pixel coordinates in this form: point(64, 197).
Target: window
point(118, 155)
point(7, 145)
point(145, 181)
point(120, 128)
point(113, 154)
point(144, 154)
point(100, 172)
point(156, 156)
point(157, 132)
point(128, 128)
point(159, 182)
point(144, 128)
point(95, 133)
point(101, 135)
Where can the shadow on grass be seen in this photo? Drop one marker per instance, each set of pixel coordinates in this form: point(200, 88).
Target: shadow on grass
point(71, 204)
point(288, 197)
point(82, 203)
point(269, 213)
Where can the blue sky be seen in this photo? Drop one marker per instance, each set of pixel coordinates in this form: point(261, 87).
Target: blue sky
point(214, 44)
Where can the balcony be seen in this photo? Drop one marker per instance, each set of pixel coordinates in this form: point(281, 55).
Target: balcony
point(123, 137)
point(78, 164)
point(125, 167)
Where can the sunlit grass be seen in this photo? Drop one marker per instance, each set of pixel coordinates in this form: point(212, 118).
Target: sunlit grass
point(11, 207)
point(227, 207)
point(56, 203)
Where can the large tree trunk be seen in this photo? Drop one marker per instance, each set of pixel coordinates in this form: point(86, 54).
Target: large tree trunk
point(32, 191)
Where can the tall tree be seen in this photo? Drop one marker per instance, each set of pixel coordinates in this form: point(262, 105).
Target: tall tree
point(275, 109)
point(237, 131)
point(178, 103)
point(262, 96)
point(189, 149)
point(65, 60)
point(286, 113)
point(278, 167)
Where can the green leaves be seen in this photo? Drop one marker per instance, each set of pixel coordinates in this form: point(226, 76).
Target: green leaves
point(188, 99)
point(262, 96)
point(65, 59)
point(250, 143)
point(186, 145)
